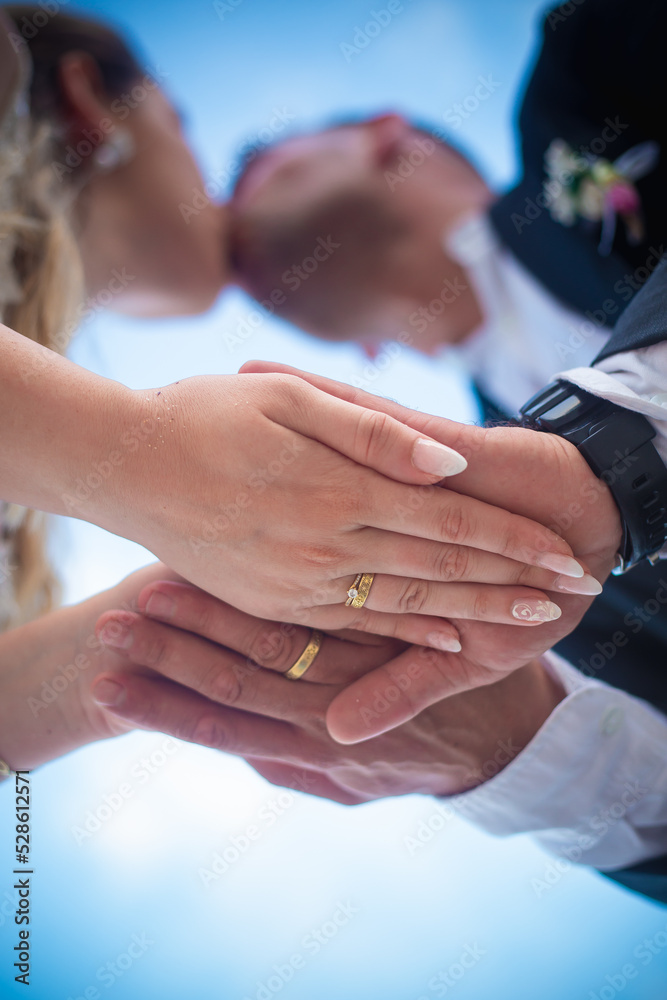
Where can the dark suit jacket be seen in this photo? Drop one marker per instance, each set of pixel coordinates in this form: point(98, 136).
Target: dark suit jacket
point(643, 324)
point(599, 84)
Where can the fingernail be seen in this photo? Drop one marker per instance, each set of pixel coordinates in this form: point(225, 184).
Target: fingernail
point(109, 693)
point(561, 564)
point(536, 611)
point(159, 605)
point(116, 634)
point(588, 585)
point(443, 641)
point(437, 459)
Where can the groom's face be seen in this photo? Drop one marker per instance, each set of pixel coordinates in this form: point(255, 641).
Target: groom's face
point(319, 196)
point(318, 222)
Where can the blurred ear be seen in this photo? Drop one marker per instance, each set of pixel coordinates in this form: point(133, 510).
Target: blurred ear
point(9, 62)
point(388, 135)
point(84, 98)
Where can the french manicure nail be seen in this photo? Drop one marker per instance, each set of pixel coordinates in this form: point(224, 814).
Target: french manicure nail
point(109, 693)
point(437, 459)
point(536, 611)
point(444, 642)
point(588, 585)
point(116, 634)
point(561, 564)
point(160, 606)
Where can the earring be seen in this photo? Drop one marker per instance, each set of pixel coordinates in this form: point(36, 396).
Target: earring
point(116, 151)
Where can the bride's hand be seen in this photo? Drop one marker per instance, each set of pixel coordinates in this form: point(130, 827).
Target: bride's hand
point(534, 474)
point(272, 495)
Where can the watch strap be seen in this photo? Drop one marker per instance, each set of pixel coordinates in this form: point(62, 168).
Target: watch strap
point(617, 445)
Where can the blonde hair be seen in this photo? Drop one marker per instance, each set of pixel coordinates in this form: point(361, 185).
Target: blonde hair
point(47, 302)
point(47, 269)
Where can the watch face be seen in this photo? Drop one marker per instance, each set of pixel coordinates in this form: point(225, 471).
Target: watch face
point(562, 410)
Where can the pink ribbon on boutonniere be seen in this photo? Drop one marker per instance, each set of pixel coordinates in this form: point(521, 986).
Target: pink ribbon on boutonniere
point(581, 186)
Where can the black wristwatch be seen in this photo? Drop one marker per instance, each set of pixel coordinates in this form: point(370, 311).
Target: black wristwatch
point(616, 443)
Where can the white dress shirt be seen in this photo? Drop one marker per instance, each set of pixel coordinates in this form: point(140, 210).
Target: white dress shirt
point(592, 783)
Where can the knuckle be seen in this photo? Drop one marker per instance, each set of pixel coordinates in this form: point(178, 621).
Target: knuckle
point(523, 574)
point(453, 524)
point(156, 649)
point(481, 606)
point(413, 596)
point(271, 646)
point(322, 556)
point(222, 684)
point(200, 617)
point(452, 562)
point(513, 544)
point(375, 432)
point(208, 732)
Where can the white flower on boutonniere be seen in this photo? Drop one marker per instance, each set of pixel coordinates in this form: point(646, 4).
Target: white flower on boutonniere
point(581, 186)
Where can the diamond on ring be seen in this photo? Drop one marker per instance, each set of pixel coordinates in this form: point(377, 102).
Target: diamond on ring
point(358, 592)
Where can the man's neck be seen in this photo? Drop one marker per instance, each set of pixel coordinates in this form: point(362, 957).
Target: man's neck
point(449, 308)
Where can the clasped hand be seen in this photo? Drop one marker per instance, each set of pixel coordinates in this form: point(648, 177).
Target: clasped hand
point(189, 665)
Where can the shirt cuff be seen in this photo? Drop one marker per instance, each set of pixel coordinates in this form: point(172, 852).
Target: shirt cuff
point(591, 784)
point(635, 381)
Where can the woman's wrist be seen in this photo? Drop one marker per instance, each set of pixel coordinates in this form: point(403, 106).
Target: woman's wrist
point(47, 669)
point(41, 710)
point(60, 423)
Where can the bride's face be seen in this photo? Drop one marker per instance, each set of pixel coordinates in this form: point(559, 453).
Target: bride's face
point(150, 218)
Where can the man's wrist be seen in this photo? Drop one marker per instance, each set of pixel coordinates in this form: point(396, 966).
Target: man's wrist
point(617, 444)
point(511, 714)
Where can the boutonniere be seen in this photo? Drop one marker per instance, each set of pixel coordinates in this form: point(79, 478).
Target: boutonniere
point(581, 186)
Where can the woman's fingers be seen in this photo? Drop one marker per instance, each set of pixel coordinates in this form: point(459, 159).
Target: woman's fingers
point(341, 390)
point(445, 516)
point(273, 645)
point(506, 605)
point(424, 560)
point(212, 671)
point(277, 646)
point(369, 437)
point(420, 629)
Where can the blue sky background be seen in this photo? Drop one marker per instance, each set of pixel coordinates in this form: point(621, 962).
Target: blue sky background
point(138, 874)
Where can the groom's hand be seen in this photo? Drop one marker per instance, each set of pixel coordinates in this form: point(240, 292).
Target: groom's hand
point(537, 475)
point(177, 679)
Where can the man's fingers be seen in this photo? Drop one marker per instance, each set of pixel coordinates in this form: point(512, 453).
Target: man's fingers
point(212, 671)
point(398, 691)
point(157, 704)
point(273, 645)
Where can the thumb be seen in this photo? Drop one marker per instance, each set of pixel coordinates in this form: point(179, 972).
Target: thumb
point(393, 694)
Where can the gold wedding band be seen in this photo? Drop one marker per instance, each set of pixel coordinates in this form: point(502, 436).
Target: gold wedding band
point(296, 672)
point(359, 591)
point(5, 770)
